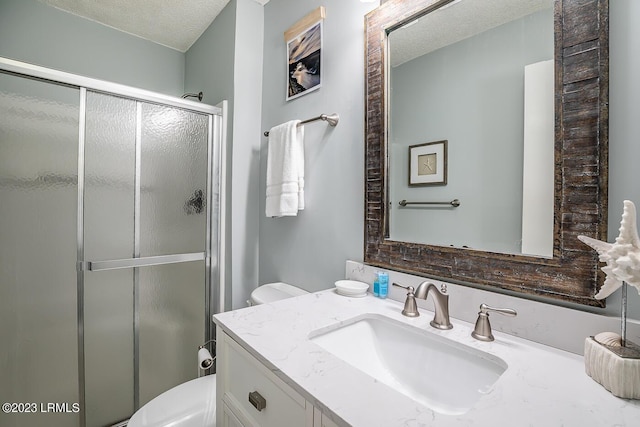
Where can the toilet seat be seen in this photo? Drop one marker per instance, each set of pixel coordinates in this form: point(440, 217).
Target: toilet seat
point(190, 404)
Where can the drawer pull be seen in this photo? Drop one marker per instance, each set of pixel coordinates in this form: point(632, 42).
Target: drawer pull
point(257, 400)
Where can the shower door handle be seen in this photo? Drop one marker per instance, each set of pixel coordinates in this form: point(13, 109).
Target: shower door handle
point(116, 264)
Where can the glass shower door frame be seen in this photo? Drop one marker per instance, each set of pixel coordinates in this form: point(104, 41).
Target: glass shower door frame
point(214, 273)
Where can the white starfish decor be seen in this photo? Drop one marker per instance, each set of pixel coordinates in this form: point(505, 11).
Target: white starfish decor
point(622, 257)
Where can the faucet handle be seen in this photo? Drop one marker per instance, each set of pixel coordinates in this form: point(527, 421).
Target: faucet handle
point(482, 330)
point(404, 287)
point(484, 308)
point(410, 306)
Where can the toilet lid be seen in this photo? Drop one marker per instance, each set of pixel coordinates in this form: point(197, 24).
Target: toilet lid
point(275, 291)
point(191, 404)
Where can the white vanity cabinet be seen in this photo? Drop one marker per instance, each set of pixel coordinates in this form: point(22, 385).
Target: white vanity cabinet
point(250, 395)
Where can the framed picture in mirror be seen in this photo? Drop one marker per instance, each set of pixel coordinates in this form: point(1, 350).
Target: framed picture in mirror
point(428, 164)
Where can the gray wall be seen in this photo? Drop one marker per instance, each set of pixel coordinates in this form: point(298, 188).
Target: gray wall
point(33, 32)
point(471, 94)
point(226, 63)
point(245, 161)
point(310, 250)
point(624, 126)
point(209, 67)
point(209, 61)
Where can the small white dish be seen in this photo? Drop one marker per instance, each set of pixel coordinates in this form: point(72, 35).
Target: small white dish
point(351, 288)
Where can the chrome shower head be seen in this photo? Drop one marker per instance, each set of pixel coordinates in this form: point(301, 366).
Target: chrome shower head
point(198, 95)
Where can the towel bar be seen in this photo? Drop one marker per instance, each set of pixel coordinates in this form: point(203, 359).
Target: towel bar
point(332, 119)
point(455, 203)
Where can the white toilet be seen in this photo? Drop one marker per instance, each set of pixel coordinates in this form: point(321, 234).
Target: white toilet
point(193, 404)
point(190, 404)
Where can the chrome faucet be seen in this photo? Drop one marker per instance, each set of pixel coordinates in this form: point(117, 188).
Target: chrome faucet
point(440, 304)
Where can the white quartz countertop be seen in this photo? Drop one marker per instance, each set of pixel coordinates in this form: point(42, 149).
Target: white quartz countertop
point(542, 386)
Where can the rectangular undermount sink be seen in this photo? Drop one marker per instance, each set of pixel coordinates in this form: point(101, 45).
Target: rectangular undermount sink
point(444, 375)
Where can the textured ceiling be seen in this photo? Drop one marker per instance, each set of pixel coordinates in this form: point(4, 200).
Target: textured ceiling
point(456, 21)
point(173, 23)
point(179, 23)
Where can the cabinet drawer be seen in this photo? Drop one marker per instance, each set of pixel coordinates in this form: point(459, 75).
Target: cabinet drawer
point(244, 376)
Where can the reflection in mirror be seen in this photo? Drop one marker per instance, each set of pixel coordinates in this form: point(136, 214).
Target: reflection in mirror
point(479, 75)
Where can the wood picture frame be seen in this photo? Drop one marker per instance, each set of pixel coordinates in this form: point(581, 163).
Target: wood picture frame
point(581, 63)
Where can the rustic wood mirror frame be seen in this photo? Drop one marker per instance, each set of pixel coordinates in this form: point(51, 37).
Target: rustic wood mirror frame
point(581, 164)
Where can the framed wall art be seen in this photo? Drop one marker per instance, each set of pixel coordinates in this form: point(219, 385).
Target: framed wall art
point(304, 55)
point(428, 163)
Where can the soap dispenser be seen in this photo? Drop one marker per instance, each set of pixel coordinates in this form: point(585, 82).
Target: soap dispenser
point(383, 281)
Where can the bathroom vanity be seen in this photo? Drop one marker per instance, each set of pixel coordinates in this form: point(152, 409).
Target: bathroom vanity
point(252, 395)
point(327, 360)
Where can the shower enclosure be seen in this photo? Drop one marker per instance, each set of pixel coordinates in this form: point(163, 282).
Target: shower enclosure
point(110, 243)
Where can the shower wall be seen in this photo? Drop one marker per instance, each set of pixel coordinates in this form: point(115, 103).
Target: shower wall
point(108, 248)
point(31, 31)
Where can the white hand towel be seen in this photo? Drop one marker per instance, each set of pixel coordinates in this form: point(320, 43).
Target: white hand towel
point(285, 170)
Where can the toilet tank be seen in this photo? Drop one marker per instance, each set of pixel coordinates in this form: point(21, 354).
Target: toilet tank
point(271, 292)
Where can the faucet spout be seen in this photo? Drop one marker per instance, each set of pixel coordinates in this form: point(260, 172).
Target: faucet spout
point(440, 303)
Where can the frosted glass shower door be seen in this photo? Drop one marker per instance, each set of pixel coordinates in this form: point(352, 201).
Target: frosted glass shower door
point(173, 220)
point(109, 188)
point(145, 243)
point(109, 244)
point(38, 188)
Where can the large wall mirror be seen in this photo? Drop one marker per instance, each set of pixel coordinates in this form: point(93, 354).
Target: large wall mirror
point(486, 142)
